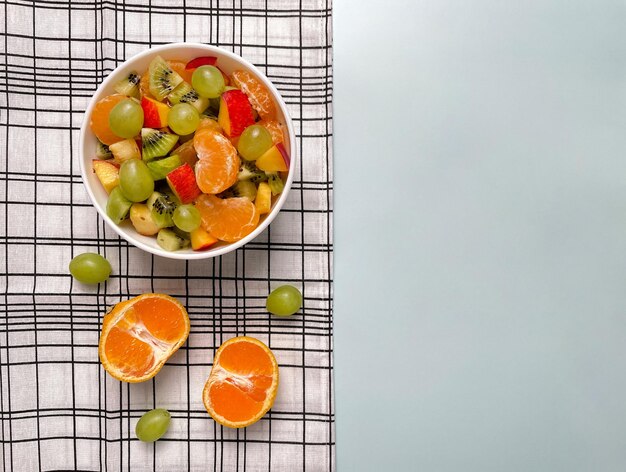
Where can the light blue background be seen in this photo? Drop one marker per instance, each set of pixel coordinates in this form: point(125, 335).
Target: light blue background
point(480, 196)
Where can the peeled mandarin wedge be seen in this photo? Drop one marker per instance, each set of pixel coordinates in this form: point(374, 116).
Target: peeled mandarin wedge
point(209, 123)
point(187, 153)
point(139, 335)
point(258, 94)
point(218, 162)
point(243, 382)
point(144, 86)
point(275, 130)
point(99, 123)
point(179, 67)
point(228, 219)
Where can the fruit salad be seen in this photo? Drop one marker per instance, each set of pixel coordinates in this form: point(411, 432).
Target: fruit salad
point(189, 154)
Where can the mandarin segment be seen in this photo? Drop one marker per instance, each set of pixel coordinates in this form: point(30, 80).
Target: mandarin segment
point(144, 86)
point(257, 93)
point(229, 219)
point(179, 67)
point(139, 335)
point(99, 122)
point(245, 359)
point(131, 356)
point(161, 317)
point(187, 153)
point(242, 384)
point(232, 403)
point(275, 129)
point(218, 164)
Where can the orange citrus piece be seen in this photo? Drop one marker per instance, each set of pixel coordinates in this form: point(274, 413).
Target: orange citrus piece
point(99, 122)
point(228, 219)
point(144, 85)
point(208, 123)
point(218, 164)
point(179, 67)
point(187, 153)
point(242, 384)
point(139, 335)
point(275, 129)
point(258, 94)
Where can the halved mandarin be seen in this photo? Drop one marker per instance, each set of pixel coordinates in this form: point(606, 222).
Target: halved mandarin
point(228, 219)
point(218, 161)
point(258, 94)
point(99, 120)
point(242, 384)
point(139, 335)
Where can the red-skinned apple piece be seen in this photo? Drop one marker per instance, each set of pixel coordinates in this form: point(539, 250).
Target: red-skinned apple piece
point(154, 113)
point(275, 159)
point(235, 113)
point(182, 181)
point(201, 61)
point(108, 173)
point(206, 61)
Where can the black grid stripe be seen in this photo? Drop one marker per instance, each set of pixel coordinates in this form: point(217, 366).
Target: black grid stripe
point(59, 409)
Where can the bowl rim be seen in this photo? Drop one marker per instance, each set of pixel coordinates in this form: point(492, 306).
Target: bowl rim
point(207, 254)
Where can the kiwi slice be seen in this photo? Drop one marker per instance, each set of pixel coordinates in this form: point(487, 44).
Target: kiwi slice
point(170, 241)
point(243, 188)
point(275, 182)
point(103, 151)
point(209, 114)
point(249, 171)
point(162, 208)
point(182, 234)
point(159, 169)
point(163, 80)
point(184, 93)
point(155, 143)
point(129, 85)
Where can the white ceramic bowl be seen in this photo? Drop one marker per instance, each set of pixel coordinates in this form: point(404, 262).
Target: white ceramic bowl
point(228, 62)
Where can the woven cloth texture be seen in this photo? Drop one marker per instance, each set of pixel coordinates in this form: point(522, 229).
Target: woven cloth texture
point(60, 410)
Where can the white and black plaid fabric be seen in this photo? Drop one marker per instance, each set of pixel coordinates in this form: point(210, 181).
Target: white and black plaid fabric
point(60, 410)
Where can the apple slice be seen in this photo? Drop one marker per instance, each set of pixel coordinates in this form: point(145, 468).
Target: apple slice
point(125, 150)
point(141, 218)
point(154, 113)
point(182, 181)
point(206, 61)
point(235, 112)
point(201, 239)
point(108, 173)
point(275, 159)
point(201, 61)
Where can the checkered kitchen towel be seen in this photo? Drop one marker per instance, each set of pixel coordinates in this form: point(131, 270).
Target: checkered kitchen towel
point(60, 410)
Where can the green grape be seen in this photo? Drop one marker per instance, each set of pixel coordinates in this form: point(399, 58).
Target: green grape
point(136, 181)
point(208, 81)
point(183, 118)
point(152, 425)
point(126, 118)
point(118, 205)
point(284, 301)
point(90, 268)
point(186, 217)
point(254, 141)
